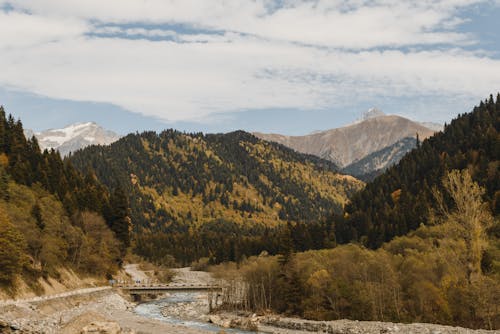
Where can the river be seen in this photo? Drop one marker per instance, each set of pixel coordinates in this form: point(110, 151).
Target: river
point(182, 301)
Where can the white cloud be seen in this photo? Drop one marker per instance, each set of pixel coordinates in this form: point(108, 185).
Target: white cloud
point(21, 30)
point(304, 54)
point(333, 23)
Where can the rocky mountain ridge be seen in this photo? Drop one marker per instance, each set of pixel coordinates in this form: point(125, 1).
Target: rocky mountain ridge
point(346, 145)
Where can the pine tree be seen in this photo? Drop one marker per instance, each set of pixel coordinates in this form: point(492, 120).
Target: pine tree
point(119, 218)
point(36, 213)
point(4, 184)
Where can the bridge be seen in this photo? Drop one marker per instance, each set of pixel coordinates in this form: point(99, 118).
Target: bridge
point(136, 290)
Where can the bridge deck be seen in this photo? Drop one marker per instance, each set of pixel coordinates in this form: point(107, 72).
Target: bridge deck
point(166, 288)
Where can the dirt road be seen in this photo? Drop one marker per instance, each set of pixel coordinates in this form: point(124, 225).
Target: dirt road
point(135, 272)
point(186, 276)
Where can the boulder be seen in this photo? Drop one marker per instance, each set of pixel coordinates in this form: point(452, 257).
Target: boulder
point(214, 319)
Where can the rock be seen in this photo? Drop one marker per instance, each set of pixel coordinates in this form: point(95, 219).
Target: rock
point(4, 327)
point(217, 320)
point(248, 324)
point(214, 319)
point(102, 327)
point(225, 323)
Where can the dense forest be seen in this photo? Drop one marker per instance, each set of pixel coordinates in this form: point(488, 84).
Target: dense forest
point(402, 198)
point(52, 215)
point(219, 196)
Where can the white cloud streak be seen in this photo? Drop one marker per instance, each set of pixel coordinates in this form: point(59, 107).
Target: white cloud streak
point(333, 23)
point(303, 54)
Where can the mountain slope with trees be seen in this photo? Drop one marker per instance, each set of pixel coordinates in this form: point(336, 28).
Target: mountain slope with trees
point(403, 198)
point(433, 224)
point(447, 273)
point(51, 215)
point(219, 189)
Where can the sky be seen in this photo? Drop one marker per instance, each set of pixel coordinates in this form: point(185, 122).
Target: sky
point(285, 66)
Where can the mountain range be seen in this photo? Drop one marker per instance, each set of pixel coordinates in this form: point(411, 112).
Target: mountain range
point(363, 149)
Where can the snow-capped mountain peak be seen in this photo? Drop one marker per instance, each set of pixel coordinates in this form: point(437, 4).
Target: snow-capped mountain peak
point(74, 137)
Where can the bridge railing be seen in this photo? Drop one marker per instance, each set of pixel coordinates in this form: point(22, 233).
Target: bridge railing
point(166, 286)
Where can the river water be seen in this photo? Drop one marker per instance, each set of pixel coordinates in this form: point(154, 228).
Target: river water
point(153, 310)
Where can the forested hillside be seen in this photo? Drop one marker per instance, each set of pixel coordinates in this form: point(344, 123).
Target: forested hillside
point(402, 198)
point(220, 196)
point(448, 273)
point(53, 216)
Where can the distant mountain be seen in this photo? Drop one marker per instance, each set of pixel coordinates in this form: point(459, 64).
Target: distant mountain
point(377, 162)
point(74, 137)
point(209, 190)
point(343, 146)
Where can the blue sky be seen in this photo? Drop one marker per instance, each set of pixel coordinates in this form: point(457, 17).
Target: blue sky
point(273, 66)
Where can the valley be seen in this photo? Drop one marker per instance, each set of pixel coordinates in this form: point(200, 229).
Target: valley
point(297, 245)
point(249, 166)
point(106, 309)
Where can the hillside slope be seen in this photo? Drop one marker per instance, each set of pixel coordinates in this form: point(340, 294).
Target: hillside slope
point(218, 184)
point(53, 219)
point(377, 162)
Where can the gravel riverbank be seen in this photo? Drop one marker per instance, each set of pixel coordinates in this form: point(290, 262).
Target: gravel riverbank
point(283, 325)
point(103, 311)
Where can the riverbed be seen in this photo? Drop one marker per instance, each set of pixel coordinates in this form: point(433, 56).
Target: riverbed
point(187, 309)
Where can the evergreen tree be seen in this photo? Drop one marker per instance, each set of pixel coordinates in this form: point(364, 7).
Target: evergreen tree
point(4, 184)
point(36, 213)
point(119, 218)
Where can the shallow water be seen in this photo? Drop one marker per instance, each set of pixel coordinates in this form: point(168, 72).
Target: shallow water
point(153, 310)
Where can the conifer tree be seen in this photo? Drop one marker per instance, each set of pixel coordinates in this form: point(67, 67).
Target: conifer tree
point(119, 217)
point(36, 213)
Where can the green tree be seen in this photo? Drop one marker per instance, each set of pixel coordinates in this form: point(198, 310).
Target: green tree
point(36, 213)
point(119, 217)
